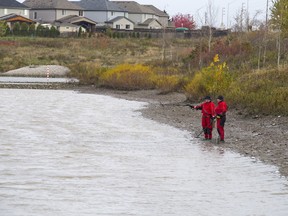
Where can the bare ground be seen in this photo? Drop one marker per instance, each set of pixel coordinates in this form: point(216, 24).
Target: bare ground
point(262, 137)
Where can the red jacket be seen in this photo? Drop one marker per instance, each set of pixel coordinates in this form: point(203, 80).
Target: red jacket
point(221, 108)
point(208, 109)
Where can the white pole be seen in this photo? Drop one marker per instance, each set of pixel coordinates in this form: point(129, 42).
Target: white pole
point(47, 73)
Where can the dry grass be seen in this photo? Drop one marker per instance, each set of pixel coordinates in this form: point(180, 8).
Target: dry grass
point(97, 61)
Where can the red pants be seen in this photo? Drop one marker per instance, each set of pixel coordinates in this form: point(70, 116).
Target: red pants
point(220, 127)
point(207, 127)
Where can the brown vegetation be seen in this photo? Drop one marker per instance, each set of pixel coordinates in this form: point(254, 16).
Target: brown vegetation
point(236, 66)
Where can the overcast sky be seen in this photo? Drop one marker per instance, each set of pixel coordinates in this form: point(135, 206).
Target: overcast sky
point(197, 8)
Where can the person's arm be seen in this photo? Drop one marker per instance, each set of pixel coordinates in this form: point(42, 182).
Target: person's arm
point(198, 107)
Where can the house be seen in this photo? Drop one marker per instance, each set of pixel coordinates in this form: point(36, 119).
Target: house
point(143, 14)
point(163, 17)
point(121, 23)
point(150, 23)
point(72, 23)
point(12, 18)
point(13, 7)
point(103, 11)
point(47, 11)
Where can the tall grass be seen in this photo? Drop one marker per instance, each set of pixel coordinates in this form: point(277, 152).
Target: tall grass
point(133, 64)
point(261, 92)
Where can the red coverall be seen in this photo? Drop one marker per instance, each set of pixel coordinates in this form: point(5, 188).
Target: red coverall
point(208, 112)
point(220, 111)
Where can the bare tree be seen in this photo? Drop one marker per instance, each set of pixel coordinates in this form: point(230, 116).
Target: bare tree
point(211, 20)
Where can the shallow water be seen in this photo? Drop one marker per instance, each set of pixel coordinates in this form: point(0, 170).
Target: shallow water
point(65, 154)
point(25, 80)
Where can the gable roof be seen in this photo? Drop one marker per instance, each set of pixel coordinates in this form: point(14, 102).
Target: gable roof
point(75, 19)
point(157, 11)
point(51, 4)
point(15, 18)
point(98, 5)
point(150, 20)
point(12, 4)
point(134, 7)
point(119, 18)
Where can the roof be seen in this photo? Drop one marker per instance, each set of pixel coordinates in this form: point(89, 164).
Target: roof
point(11, 4)
point(150, 20)
point(118, 18)
point(98, 5)
point(157, 11)
point(15, 18)
point(51, 4)
point(75, 19)
point(134, 7)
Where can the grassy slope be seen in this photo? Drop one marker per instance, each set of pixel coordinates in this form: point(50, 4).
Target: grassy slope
point(257, 91)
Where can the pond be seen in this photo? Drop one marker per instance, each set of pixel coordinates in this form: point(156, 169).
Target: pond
point(68, 154)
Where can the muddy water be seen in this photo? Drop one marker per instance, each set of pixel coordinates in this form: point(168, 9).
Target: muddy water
point(69, 154)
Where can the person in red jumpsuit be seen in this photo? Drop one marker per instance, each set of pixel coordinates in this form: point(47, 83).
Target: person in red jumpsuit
point(208, 115)
point(220, 111)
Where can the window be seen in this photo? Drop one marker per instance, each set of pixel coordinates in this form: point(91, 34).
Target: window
point(117, 26)
point(35, 15)
point(25, 12)
point(63, 12)
point(80, 13)
point(5, 11)
point(112, 13)
point(127, 26)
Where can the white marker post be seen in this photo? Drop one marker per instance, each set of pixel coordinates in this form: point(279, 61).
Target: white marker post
point(47, 74)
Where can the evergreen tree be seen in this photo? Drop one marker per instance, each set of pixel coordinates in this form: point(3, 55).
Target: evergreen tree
point(279, 16)
point(24, 29)
point(16, 29)
point(4, 29)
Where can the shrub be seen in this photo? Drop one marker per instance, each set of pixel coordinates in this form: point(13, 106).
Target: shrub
point(4, 29)
point(211, 80)
point(87, 72)
point(167, 83)
point(16, 29)
point(24, 29)
point(264, 92)
point(128, 77)
point(31, 30)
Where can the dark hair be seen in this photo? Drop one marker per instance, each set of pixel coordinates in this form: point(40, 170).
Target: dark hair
point(207, 98)
point(220, 97)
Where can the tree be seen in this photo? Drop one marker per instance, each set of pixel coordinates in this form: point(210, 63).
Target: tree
point(279, 15)
point(16, 29)
point(184, 20)
point(279, 20)
point(4, 29)
point(32, 30)
point(211, 18)
point(24, 27)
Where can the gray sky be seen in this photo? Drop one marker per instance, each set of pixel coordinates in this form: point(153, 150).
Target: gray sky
point(223, 8)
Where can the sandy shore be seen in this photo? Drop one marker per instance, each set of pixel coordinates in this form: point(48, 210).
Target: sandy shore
point(262, 137)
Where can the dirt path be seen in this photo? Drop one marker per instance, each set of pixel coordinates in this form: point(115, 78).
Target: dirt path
point(262, 137)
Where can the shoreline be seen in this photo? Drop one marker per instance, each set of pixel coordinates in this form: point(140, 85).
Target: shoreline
point(264, 138)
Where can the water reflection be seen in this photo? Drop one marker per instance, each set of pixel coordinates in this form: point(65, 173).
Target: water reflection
point(64, 153)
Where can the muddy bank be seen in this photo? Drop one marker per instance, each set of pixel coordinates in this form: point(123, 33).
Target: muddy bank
point(262, 137)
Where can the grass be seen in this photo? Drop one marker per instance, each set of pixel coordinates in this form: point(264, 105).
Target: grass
point(132, 63)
